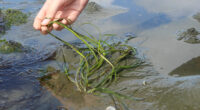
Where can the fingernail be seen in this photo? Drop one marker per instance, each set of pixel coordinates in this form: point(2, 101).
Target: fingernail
point(45, 21)
point(44, 28)
point(36, 26)
point(64, 21)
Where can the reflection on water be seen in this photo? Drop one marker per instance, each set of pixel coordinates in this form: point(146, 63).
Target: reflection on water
point(173, 8)
point(155, 21)
point(163, 49)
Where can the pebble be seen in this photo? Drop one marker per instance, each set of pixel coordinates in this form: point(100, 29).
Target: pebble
point(144, 83)
point(110, 108)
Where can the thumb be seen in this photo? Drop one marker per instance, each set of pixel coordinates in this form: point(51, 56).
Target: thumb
point(51, 11)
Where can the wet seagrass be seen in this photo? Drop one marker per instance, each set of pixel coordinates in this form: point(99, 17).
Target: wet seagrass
point(97, 68)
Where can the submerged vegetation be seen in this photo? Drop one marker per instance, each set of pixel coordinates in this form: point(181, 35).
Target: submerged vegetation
point(100, 64)
point(92, 7)
point(10, 17)
point(191, 36)
point(10, 47)
point(14, 17)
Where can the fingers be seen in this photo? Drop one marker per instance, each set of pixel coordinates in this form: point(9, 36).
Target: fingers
point(40, 16)
point(57, 26)
point(37, 23)
point(68, 9)
point(44, 30)
point(74, 10)
point(72, 17)
point(51, 12)
point(48, 10)
point(64, 21)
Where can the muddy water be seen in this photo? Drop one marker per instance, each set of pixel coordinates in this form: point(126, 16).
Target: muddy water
point(171, 82)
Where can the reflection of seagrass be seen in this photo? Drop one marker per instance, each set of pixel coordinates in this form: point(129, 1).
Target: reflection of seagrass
point(100, 64)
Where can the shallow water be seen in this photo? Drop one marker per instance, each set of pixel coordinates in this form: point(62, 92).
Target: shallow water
point(170, 83)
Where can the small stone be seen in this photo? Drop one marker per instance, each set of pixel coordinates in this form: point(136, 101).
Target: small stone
point(93, 7)
point(110, 108)
point(144, 83)
point(190, 36)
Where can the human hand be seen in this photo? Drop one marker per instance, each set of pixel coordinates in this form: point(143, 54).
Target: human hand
point(67, 10)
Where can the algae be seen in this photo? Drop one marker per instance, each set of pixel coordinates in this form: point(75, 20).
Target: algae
point(14, 17)
point(2, 23)
point(191, 36)
point(92, 7)
point(10, 47)
point(11, 17)
point(197, 17)
point(8, 18)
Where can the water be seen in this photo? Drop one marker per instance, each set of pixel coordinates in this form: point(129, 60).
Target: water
point(171, 82)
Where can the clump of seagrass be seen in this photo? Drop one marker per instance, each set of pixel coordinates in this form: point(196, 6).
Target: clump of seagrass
point(14, 17)
point(97, 68)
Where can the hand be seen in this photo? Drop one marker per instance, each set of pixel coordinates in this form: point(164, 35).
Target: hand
point(68, 10)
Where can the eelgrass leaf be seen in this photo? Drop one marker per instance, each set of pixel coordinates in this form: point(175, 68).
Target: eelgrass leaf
point(87, 71)
point(107, 91)
point(125, 107)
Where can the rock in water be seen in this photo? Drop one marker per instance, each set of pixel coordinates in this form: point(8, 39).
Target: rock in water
point(191, 36)
point(197, 17)
point(10, 46)
point(93, 7)
point(14, 17)
point(11, 17)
